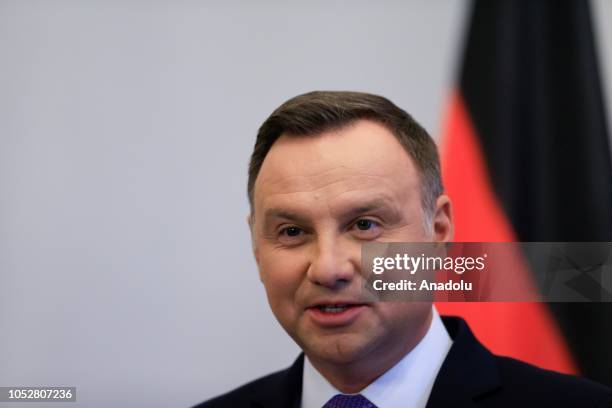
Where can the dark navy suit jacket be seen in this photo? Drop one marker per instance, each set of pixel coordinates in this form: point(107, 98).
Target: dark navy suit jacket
point(471, 376)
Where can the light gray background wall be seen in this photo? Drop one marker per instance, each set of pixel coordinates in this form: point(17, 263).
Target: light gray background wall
point(125, 130)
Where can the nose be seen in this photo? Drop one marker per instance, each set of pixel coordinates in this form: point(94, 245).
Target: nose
point(333, 263)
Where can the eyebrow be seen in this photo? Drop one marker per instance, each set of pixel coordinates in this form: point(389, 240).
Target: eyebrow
point(283, 213)
point(376, 204)
point(361, 208)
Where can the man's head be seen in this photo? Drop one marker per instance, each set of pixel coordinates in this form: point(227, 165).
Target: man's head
point(315, 112)
point(331, 171)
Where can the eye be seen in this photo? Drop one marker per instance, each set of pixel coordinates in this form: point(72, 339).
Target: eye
point(291, 231)
point(365, 228)
point(364, 224)
point(291, 236)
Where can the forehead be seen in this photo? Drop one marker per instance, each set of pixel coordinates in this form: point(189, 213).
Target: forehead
point(362, 159)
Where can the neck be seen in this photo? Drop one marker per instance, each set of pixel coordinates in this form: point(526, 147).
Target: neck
point(354, 376)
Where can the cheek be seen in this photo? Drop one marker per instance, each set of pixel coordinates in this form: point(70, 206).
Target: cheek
point(281, 272)
point(413, 232)
point(404, 316)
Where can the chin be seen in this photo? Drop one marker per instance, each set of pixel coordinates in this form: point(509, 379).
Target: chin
point(340, 349)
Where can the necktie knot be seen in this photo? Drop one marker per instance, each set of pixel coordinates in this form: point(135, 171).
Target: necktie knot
point(349, 401)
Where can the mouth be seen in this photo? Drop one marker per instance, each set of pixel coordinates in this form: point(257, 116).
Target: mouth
point(335, 314)
point(335, 308)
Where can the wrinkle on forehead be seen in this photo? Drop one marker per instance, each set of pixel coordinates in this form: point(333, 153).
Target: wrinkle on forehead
point(328, 181)
point(335, 192)
point(364, 158)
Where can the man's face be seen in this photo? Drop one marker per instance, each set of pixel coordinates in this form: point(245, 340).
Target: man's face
point(317, 199)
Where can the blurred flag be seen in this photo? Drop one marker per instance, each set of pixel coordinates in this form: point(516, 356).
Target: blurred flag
point(526, 157)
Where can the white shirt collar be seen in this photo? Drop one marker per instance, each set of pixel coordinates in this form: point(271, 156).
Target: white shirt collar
point(407, 384)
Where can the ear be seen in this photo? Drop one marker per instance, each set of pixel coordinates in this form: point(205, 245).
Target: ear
point(443, 227)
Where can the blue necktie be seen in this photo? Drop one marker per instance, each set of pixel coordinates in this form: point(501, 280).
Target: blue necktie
point(349, 401)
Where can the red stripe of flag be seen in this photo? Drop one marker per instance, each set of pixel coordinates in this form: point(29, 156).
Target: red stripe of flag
point(525, 331)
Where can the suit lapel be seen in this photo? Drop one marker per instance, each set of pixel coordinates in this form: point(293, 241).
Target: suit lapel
point(468, 372)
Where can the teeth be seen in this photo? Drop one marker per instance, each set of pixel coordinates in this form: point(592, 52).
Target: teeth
point(333, 308)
